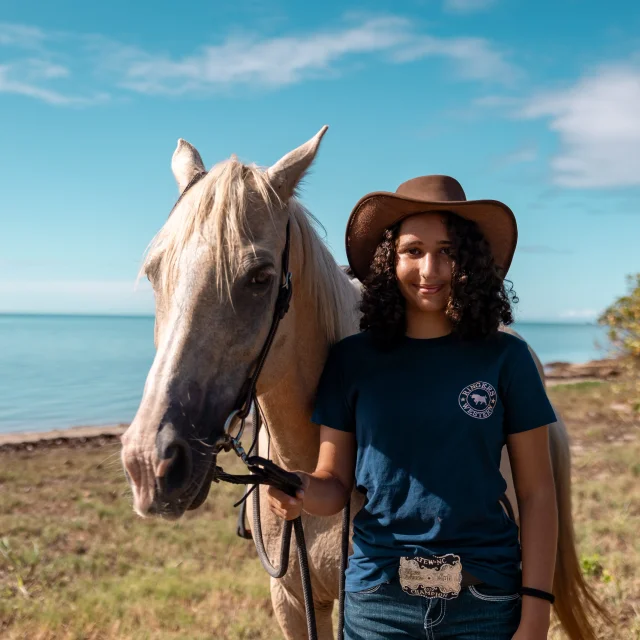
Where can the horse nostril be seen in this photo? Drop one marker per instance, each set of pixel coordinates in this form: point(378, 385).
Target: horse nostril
point(174, 471)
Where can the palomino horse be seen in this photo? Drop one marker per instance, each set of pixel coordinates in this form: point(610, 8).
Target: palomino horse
point(215, 267)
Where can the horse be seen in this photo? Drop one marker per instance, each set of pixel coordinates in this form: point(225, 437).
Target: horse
point(478, 399)
point(215, 269)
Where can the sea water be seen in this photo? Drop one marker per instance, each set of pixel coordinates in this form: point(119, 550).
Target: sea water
point(63, 371)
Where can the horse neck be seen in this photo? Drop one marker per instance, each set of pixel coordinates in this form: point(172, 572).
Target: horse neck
point(287, 402)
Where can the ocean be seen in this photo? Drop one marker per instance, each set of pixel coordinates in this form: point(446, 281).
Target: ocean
point(63, 371)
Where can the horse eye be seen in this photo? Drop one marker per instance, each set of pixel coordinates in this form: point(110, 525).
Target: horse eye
point(152, 269)
point(261, 278)
point(151, 273)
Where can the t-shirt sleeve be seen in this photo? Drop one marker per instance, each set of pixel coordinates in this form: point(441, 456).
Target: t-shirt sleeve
point(333, 407)
point(526, 405)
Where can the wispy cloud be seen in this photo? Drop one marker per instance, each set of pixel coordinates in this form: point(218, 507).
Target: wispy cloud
point(107, 287)
point(598, 124)
point(579, 314)
point(468, 6)
point(239, 60)
point(474, 58)
point(286, 60)
point(59, 296)
point(269, 62)
point(524, 154)
point(20, 35)
point(32, 66)
point(597, 120)
point(30, 78)
point(497, 102)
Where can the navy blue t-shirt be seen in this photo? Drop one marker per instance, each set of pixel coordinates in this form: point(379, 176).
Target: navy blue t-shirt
point(430, 418)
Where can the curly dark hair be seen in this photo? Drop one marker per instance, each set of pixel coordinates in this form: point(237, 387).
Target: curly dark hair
point(480, 299)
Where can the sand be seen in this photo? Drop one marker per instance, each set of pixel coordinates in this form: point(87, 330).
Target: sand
point(73, 436)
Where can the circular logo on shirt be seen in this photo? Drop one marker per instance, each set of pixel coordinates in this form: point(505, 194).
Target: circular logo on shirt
point(478, 400)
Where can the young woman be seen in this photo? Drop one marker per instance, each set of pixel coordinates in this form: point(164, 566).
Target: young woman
point(415, 410)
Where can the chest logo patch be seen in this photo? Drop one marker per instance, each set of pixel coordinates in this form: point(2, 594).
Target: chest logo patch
point(478, 400)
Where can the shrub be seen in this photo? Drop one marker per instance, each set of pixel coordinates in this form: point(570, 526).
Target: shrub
point(623, 320)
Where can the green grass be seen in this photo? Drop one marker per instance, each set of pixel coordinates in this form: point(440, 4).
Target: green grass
point(76, 563)
point(606, 493)
point(580, 387)
point(79, 564)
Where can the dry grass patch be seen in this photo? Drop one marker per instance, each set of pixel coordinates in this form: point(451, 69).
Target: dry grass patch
point(75, 563)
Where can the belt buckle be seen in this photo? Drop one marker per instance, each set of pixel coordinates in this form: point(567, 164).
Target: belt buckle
point(431, 576)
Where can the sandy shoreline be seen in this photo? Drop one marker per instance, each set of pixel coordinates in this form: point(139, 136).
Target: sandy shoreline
point(79, 435)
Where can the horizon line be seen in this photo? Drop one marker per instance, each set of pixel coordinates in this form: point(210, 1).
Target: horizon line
point(55, 314)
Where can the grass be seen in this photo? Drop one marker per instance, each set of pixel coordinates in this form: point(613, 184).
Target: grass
point(75, 563)
point(579, 387)
point(603, 423)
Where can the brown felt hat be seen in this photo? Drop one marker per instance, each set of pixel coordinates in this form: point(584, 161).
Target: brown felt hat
point(381, 209)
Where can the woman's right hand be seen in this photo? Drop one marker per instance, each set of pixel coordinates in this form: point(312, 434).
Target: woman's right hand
point(284, 505)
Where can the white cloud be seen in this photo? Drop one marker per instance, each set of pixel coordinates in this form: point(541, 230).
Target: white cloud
point(474, 58)
point(22, 36)
point(598, 123)
point(27, 78)
point(467, 6)
point(519, 156)
point(522, 155)
point(81, 287)
point(249, 60)
point(95, 296)
point(579, 314)
point(31, 68)
point(497, 102)
point(286, 60)
point(23, 78)
point(271, 62)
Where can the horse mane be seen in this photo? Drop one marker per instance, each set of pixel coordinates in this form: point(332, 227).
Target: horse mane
point(219, 214)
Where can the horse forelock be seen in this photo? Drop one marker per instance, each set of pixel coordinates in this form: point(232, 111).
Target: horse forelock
point(218, 211)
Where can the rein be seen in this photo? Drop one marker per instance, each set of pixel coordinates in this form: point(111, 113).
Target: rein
point(265, 472)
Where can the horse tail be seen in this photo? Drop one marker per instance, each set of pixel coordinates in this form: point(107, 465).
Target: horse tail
point(575, 605)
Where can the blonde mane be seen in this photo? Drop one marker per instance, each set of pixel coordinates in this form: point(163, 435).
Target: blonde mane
point(219, 215)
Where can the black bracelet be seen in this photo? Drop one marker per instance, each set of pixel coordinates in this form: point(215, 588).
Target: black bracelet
point(536, 593)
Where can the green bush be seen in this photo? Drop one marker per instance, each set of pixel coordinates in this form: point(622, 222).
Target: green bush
point(623, 320)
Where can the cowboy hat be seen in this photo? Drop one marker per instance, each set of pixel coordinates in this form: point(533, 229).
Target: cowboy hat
point(381, 209)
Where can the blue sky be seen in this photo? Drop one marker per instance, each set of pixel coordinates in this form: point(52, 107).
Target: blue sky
point(536, 104)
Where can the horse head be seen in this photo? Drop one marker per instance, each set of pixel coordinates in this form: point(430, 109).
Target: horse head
point(215, 268)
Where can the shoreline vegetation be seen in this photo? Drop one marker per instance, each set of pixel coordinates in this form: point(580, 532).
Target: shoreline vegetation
point(77, 563)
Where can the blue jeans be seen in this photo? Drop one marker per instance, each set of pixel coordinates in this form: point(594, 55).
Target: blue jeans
point(386, 612)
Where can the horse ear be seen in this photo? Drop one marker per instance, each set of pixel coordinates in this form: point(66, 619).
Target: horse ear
point(185, 163)
point(285, 174)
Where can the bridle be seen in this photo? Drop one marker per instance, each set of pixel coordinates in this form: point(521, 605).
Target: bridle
point(264, 471)
point(247, 394)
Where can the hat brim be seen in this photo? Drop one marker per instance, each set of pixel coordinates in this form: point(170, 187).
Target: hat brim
point(379, 210)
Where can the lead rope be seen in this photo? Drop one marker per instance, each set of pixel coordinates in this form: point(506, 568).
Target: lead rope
point(265, 471)
point(346, 522)
point(346, 517)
